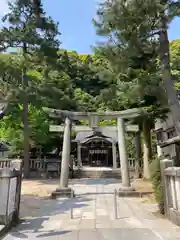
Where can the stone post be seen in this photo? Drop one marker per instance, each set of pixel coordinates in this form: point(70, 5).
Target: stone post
point(159, 151)
point(126, 186)
point(64, 190)
point(165, 163)
point(66, 154)
point(17, 164)
point(79, 154)
point(114, 155)
point(138, 154)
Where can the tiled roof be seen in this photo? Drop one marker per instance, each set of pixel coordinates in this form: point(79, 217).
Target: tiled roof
point(109, 135)
point(3, 146)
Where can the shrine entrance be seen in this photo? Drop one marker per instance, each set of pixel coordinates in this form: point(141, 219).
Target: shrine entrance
point(97, 152)
point(94, 119)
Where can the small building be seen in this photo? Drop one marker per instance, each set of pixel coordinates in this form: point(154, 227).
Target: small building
point(97, 148)
point(168, 143)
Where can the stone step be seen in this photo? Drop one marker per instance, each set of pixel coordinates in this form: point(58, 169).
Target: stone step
point(97, 174)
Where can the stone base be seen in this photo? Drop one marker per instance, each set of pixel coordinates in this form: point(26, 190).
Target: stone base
point(174, 216)
point(62, 193)
point(127, 192)
point(126, 189)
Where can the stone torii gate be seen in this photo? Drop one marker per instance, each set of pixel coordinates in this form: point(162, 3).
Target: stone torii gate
point(81, 128)
point(94, 118)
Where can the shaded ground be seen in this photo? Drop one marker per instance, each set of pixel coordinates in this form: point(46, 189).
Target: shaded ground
point(34, 191)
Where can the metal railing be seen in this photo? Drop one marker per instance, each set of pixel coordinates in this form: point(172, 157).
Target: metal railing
point(115, 205)
point(71, 208)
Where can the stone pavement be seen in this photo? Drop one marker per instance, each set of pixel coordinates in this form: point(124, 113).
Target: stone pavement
point(93, 217)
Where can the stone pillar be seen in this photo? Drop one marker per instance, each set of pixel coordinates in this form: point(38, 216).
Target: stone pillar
point(64, 191)
point(165, 163)
point(114, 155)
point(138, 154)
point(126, 186)
point(66, 154)
point(159, 151)
point(79, 155)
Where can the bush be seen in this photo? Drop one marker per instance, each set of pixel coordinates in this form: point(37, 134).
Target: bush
point(157, 183)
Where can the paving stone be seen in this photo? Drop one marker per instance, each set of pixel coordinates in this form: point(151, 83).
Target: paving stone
point(126, 234)
point(87, 224)
point(93, 217)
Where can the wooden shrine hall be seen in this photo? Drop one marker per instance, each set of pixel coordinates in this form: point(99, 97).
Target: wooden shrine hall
point(97, 148)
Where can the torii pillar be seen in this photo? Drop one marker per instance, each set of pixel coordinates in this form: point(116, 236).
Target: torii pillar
point(64, 190)
point(126, 185)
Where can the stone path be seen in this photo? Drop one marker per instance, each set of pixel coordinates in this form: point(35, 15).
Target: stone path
point(93, 217)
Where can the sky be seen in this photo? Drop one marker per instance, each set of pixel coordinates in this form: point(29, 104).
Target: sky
point(75, 22)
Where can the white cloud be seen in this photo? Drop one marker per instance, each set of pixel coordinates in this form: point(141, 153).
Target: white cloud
point(3, 7)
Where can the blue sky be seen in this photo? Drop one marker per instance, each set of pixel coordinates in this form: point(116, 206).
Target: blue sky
point(75, 22)
point(75, 19)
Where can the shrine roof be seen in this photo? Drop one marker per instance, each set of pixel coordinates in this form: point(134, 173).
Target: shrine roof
point(4, 146)
point(111, 136)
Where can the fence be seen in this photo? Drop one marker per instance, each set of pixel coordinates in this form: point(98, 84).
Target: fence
point(132, 163)
point(5, 163)
point(171, 187)
point(39, 167)
point(36, 164)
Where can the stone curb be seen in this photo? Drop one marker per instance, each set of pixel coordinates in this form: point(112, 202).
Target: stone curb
point(132, 194)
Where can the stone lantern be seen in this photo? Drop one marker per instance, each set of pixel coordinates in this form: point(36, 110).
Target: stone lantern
point(10, 181)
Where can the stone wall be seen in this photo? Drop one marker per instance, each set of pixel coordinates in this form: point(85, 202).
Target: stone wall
point(171, 188)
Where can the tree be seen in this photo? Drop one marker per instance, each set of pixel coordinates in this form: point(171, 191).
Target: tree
point(35, 35)
point(136, 21)
point(175, 61)
point(133, 57)
point(7, 80)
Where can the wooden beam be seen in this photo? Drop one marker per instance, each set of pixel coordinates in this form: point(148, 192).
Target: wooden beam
point(79, 128)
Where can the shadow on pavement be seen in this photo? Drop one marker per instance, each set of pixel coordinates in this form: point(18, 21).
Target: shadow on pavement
point(47, 211)
point(82, 181)
point(52, 233)
point(42, 234)
point(35, 206)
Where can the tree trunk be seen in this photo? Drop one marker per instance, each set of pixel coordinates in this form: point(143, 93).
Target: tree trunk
point(25, 120)
point(26, 139)
point(147, 150)
point(138, 155)
point(167, 78)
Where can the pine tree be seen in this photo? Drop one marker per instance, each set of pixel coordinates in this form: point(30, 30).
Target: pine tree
point(132, 49)
point(133, 23)
point(29, 29)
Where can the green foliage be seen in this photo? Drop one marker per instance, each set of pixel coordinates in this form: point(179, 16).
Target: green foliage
point(157, 182)
point(35, 41)
point(123, 73)
point(11, 128)
point(132, 57)
point(175, 60)
point(28, 32)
